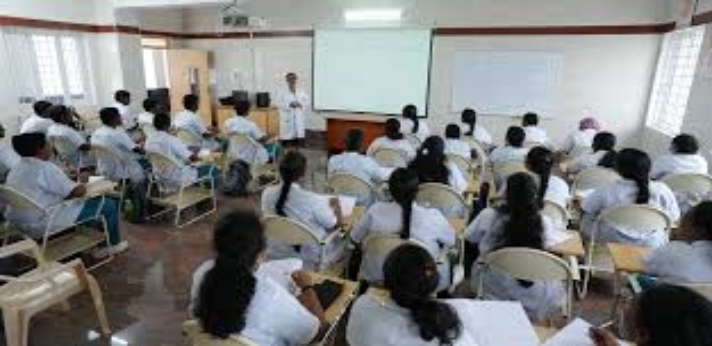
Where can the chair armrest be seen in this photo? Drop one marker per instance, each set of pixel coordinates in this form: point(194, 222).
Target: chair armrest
point(23, 246)
point(41, 274)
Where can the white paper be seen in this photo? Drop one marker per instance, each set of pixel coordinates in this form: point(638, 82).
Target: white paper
point(575, 334)
point(281, 271)
point(95, 179)
point(495, 323)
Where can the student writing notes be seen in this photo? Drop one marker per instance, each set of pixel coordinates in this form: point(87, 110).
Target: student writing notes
point(635, 188)
point(393, 139)
point(229, 296)
point(354, 163)
point(475, 129)
point(684, 157)
point(39, 121)
point(412, 125)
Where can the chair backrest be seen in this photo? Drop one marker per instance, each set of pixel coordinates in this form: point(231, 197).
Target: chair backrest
point(699, 184)
point(391, 158)
point(636, 217)
point(162, 163)
point(593, 178)
point(442, 197)
point(502, 170)
point(704, 290)
point(465, 165)
point(188, 137)
point(529, 264)
point(413, 140)
point(19, 200)
point(349, 185)
point(286, 231)
point(197, 337)
point(376, 249)
point(63, 146)
point(556, 212)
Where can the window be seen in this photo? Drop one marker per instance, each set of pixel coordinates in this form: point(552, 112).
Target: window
point(60, 67)
point(155, 68)
point(673, 79)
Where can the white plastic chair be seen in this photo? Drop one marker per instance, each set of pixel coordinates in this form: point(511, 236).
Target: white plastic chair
point(689, 183)
point(351, 185)
point(258, 163)
point(375, 251)
point(465, 165)
point(50, 284)
point(107, 158)
point(189, 138)
point(593, 178)
point(391, 158)
point(197, 337)
point(530, 265)
point(285, 231)
point(64, 246)
point(443, 198)
point(189, 192)
point(503, 170)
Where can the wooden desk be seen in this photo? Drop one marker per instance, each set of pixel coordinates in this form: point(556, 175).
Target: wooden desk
point(337, 126)
point(339, 306)
point(628, 258)
point(570, 247)
point(266, 119)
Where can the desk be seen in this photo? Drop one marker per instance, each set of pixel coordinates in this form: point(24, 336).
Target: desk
point(337, 126)
point(266, 119)
point(100, 188)
point(339, 306)
point(570, 247)
point(628, 258)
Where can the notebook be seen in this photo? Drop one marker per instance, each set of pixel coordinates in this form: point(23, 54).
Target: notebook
point(499, 323)
point(574, 334)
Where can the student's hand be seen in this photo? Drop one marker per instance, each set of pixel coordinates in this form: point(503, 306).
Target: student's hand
point(302, 279)
point(602, 337)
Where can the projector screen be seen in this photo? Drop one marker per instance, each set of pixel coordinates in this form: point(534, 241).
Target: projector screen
point(371, 70)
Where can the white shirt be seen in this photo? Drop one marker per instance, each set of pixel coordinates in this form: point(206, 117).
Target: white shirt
point(128, 117)
point(681, 263)
point(189, 121)
point(623, 193)
point(145, 118)
point(579, 140)
point(127, 166)
point(255, 154)
point(428, 226)
point(274, 316)
point(360, 166)
point(401, 145)
point(36, 123)
point(536, 135)
point(508, 153)
point(71, 135)
point(456, 179)
point(172, 147)
point(678, 164)
point(458, 147)
point(482, 135)
point(8, 159)
point(558, 190)
point(46, 184)
point(585, 161)
point(423, 129)
point(292, 120)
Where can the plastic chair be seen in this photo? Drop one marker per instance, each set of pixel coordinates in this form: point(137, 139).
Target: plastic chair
point(50, 284)
point(414, 140)
point(294, 233)
point(556, 213)
point(502, 170)
point(391, 158)
point(198, 337)
point(375, 251)
point(106, 158)
point(593, 178)
point(67, 151)
point(443, 198)
point(189, 138)
point(465, 165)
point(689, 183)
point(189, 192)
point(67, 245)
point(257, 159)
point(351, 185)
point(530, 265)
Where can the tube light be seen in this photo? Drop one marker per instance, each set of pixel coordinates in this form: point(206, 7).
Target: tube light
point(374, 15)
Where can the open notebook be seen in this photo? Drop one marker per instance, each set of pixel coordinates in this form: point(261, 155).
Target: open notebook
point(500, 323)
point(574, 334)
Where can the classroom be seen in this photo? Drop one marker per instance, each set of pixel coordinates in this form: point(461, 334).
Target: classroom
point(355, 172)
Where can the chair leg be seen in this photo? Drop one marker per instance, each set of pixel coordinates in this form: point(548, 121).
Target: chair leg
point(24, 327)
point(98, 300)
point(13, 327)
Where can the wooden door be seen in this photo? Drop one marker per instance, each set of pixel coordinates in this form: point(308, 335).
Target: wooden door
point(188, 70)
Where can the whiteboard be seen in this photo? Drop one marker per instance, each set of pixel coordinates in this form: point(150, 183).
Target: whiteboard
point(506, 83)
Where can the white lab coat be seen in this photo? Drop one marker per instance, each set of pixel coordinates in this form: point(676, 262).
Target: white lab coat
point(189, 121)
point(172, 147)
point(481, 135)
point(456, 179)
point(585, 161)
point(63, 131)
point(428, 227)
point(423, 129)
point(311, 209)
point(255, 154)
point(678, 164)
point(536, 135)
point(128, 116)
point(36, 123)
point(8, 159)
point(292, 120)
point(623, 193)
point(145, 118)
point(508, 153)
point(579, 140)
point(681, 263)
point(127, 166)
point(359, 165)
point(401, 145)
point(558, 190)
point(539, 300)
point(274, 316)
point(458, 147)
point(46, 184)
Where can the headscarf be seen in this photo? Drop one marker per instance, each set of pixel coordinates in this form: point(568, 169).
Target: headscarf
point(589, 124)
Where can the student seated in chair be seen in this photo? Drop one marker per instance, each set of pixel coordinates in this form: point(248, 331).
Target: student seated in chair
point(8, 156)
point(164, 143)
point(410, 123)
point(239, 124)
point(393, 139)
point(684, 157)
point(582, 139)
point(635, 188)
point(454, 144)
point(540, 161)
point(475, 129)
point(232, 294)
point(320, 213)
point(404, 218)
point(603, 155)
point(39, 121)
point(533, 133)
point(111, 135)
point(514, 149)
point(351, 161)
point(432, 166)
point(45, 183)
point(62, 117)
point(518, 223)
point(189, 120)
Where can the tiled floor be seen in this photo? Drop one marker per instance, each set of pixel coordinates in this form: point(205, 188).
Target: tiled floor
point(146, 289)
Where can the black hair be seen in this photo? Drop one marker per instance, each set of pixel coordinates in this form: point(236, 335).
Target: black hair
point(633, 164)
point(524, 228)
point(403, 187)
point(411, 277)
point(29, 144)
point(410, 112)
point(673, 316)
point(190, 101)
point(685, 144)
point(108, 115)
point(353, 140)
point(227, 289)
point(162, 122)
point(393, 131)
point(150, 104)
point(59, 114)
point(604, 141)
point(121, 95)
point(242, 108)
point(699, 218)
point(452, 131)
point(40, 108)
point(540, 160)
point(469, 117)
point(430, 162)
point(292, 167)
point(530, 119)
point(516, 136)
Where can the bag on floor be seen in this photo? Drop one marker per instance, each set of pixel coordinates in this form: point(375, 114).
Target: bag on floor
point(135, 202)
point(237, 178)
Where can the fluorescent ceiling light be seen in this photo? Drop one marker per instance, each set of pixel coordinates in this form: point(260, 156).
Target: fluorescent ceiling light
point(381, 15)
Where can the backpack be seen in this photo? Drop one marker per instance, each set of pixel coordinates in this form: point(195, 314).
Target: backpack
point(236, 179)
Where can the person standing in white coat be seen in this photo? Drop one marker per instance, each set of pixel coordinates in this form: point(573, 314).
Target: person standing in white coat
point(293, 105)
point(683, 158)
